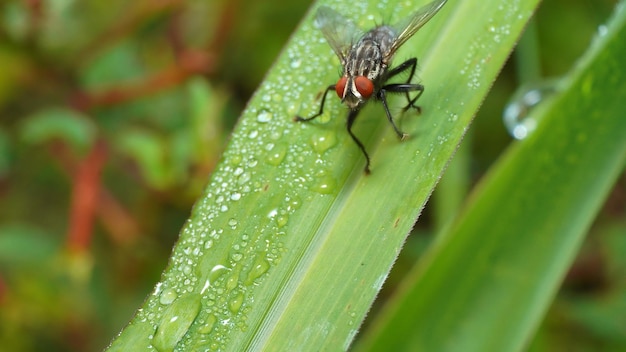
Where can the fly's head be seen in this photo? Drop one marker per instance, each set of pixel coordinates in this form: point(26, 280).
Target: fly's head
point(354, 91)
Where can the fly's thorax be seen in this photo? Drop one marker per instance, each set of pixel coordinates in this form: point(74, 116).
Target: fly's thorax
point(370, 55)
point(365, 59)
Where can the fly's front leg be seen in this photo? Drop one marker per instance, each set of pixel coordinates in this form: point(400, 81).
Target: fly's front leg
point(407, 87)
point(321, 111)
point(351, 117)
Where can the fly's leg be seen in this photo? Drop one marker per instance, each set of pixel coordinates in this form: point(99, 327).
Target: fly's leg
point(351, 117)
point(407, 87)
point(383, 97)
point(321, 111)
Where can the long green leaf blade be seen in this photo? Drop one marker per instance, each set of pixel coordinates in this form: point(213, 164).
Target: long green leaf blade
point(486, 285)
point(291, 242)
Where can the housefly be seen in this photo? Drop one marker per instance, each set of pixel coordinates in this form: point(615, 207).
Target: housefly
point(365, 59)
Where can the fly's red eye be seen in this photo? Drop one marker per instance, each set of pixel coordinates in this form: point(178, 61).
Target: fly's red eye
point(340, 87)
point(364, 86)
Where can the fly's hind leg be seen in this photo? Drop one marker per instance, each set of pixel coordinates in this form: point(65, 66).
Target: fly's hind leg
point(407, 87)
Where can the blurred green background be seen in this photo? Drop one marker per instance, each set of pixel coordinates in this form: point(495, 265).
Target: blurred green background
point(113, 114)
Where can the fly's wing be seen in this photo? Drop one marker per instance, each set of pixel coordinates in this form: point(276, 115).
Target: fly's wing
point(338, 31)
point(413, 23)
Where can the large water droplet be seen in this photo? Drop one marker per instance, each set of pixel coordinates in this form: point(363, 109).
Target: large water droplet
point(236, 303)
point(207, 327)
point(168, 296)
point(216, 272)
point(176, 321)
point(517, 114)
point(277, 154)
point(295, 62)
point(232, 282)
point(260, 267)
point(264, 116)
point(325, 185)
point(321, 142)
point(282, 220)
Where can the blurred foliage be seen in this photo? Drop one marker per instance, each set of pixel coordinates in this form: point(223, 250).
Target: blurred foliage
point(112, 116)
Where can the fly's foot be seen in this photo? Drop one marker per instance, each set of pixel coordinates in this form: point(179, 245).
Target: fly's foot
point(411, 105)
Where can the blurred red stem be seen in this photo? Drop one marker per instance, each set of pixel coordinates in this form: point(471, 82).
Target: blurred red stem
point(84, 199)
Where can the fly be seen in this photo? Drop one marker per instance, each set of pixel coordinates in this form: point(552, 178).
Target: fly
point(365, 59)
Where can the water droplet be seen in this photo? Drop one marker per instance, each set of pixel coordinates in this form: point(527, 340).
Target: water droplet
point(216, 272)
point(235, 159)
point(275, 135)
point(236, 256)
point(264, 116)
point(207, 327)
point(282, 220)
point(293, 108)
point(324, 141)
point(236, 303)
point(517, 114)
point(244, 178)
point(294, 203)
point(175, 322)
point(168, 296)
point(277, 154)
point(295, 63)
point(235, 196)
point(260, 267)
point(325, 185)
point(232, 282)
point(232, 223)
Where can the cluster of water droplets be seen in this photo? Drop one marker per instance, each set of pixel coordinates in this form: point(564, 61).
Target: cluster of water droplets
point(498, 30)
point(236, 232)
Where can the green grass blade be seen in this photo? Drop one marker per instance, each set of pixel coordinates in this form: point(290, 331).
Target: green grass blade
point(291, 242)
point(486, 285)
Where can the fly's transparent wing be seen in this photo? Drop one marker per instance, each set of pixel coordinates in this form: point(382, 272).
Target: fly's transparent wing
point(338, 31)
point(413, 23)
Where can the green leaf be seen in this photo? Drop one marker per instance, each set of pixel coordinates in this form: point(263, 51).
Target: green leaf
point(486, 285)
point(291, 242)
point(59, 123)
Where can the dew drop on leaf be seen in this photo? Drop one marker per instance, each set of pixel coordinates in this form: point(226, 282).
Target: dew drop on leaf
point(168, 296)
point(236, 303)
point(517, 116)
point(323, 141)
point(175, 322)
point(264, 116)
point(325, 185)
